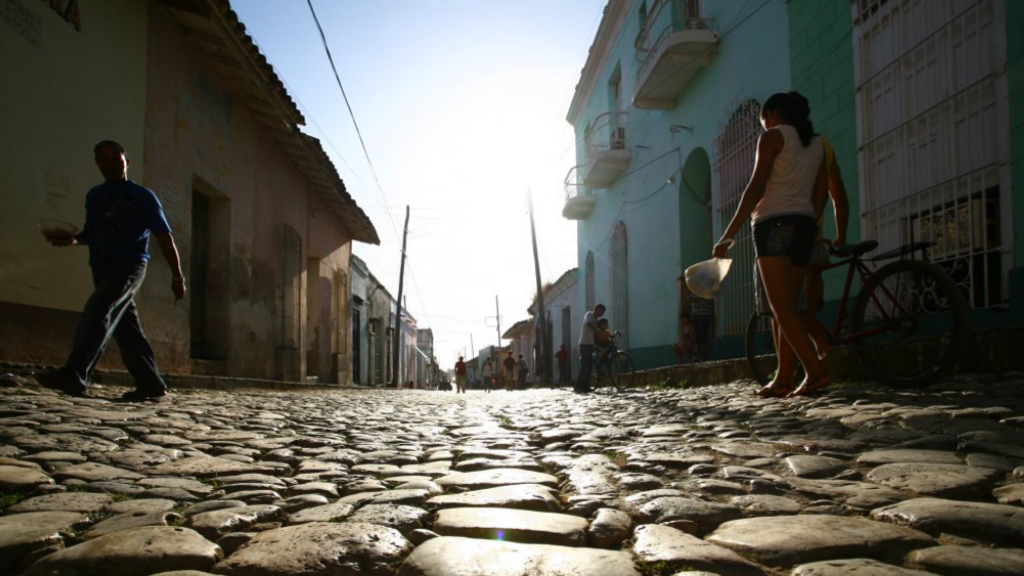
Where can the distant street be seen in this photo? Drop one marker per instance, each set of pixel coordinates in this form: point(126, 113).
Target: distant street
point(711, 480)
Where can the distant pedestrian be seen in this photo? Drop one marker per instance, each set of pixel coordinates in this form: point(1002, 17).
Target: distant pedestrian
point(460, 376)
point(586, 347)
point(509, 364)
point(702, 313)
point(686, 348)
point(487, 372)
point(563, 364)
point(120, 217)
point(523, 370)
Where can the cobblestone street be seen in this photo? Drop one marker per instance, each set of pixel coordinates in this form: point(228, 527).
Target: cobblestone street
point(713, 480)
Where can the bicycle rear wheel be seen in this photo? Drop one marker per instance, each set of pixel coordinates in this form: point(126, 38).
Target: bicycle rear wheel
point(916, 323)
point(760, 348)
point(620, 370)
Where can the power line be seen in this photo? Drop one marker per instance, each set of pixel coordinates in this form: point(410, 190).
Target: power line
point(366, 153)
point(362, 143)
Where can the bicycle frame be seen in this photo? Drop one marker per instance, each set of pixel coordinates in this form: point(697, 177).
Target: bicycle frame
point(856, 264)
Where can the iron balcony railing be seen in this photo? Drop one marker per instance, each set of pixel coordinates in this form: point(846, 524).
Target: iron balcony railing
point(574, 184)
point(662, 23)
point(607, 132)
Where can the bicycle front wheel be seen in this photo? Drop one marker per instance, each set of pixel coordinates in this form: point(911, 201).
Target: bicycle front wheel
point(910, 325)
point(760, 348)
point(620, 370)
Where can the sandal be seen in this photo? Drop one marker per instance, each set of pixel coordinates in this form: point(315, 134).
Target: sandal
point(812, 387)
point(775, 391)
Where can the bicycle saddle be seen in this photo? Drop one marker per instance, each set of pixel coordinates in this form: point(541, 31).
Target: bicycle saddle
point(858, 249)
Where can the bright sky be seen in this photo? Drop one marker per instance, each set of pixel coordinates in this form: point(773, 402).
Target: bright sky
point(462, 105)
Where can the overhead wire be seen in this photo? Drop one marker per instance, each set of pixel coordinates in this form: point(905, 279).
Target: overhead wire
point(366, 152)
point(348, 105)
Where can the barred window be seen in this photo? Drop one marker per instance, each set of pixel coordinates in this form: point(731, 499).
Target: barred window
point(735, 150)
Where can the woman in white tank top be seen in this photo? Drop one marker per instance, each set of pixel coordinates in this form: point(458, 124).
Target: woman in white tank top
point(788, 172)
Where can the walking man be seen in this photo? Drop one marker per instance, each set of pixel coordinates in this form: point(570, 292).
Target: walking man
point(487, 373)
point(522, 370)
point(586, 346)
point(460, 376)
point(509, 364)
point(120, 216)
point(563, 364)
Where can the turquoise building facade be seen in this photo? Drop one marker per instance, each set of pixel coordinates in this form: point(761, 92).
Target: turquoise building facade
point(923, 103)
point(665, 115)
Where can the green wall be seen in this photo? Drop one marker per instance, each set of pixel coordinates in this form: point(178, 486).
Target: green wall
point(821, 52)
point(1015, 79)
point(1015, 82)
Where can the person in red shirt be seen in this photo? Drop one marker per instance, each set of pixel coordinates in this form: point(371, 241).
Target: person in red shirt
point(460, 376)
point(563, 364)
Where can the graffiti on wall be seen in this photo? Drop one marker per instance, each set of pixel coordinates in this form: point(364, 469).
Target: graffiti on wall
point(206, 113)
point(56, 190)
point(29, 25)
point(171, 201)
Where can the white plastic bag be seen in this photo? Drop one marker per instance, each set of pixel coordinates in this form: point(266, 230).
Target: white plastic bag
point(705, 278)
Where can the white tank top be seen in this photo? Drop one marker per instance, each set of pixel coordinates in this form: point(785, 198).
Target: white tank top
point(791, 183)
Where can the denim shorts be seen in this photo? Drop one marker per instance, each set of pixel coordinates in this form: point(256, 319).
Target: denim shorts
point(790, 235)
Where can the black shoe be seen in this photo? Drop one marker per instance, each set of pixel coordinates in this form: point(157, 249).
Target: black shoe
point(61, 382)
point(143, 395)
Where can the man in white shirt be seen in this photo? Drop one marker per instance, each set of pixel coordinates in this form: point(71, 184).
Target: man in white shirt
point(586, 346)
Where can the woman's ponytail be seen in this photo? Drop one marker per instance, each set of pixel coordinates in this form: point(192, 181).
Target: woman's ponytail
point(795, 111)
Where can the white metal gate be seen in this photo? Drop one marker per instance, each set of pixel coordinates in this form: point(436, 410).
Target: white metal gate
point(933, 134)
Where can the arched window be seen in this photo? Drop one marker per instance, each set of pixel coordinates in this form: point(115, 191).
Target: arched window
point(618, 308)
point(735, 148)
point(589, 282)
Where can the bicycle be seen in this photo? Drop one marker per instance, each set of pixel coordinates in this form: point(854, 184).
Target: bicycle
point(909, 323)
point(613, 366)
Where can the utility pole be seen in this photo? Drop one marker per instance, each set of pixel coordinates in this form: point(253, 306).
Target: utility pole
point(472, 348)
point(398, 317)
point(497, 317)
point(542, 332)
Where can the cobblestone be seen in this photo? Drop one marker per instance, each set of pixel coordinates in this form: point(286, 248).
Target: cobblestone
point(710, 481)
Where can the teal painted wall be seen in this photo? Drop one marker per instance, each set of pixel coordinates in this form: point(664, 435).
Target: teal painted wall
point(1015, 80)
point(821, 48)
point(1015, 84)
point(664, 235)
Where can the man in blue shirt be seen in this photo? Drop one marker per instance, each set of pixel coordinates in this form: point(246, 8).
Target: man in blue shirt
point(120, 216)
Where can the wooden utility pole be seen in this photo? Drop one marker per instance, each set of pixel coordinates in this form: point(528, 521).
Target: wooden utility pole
point(398, 316)
point(541, 329)
point(497, 317)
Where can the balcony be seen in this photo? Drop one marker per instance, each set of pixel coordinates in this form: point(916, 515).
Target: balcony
point(671, 52)
point(579, 200)
point(607, 154)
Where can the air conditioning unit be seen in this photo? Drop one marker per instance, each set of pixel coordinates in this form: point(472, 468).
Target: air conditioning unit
point(618, 140)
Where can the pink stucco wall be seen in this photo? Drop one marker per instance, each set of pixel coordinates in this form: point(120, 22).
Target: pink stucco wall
point(200, 135)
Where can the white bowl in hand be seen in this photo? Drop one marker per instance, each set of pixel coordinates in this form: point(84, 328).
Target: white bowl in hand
point(57, 229)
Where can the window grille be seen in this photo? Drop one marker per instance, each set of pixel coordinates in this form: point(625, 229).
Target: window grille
point(735, 150)
point(933, 146)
